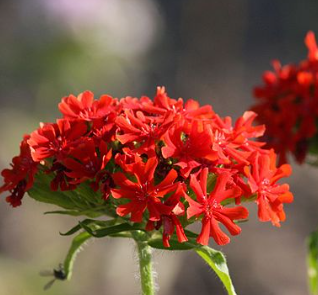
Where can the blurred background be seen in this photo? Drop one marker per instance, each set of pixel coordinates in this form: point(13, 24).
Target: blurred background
point(214, 51)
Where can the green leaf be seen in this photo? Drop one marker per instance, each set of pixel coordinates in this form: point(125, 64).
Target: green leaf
point(216, 260)
point(81, 202)
point(77, 242)
point(113, 230)
point(174, 245)
point(312, 262)
point(87, 222)
point(313, 145)
point(93, 213)
point(64, 212)
point(191, 235)
point(82, 237)
point(45, 196)
point(41, 191)
point(72, 231)
point(251, 198)
point(211, 182)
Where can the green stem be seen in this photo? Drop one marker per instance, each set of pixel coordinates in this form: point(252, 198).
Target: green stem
point(145, 264)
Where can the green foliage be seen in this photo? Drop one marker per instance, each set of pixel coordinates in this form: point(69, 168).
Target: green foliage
point(312, 157)
point(92, 228)
point(112, 230)
point(211, 181)
point(313, 145)
point(174, 245)
point(80, 202)
point(84, 201)
point(312, 262)
point(229, 201)
point(215, 259)
point(99, 228)
point(88, 222)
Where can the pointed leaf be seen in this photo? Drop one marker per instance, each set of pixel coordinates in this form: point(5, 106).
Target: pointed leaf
point(216, 260)
point(93, 213)
point(78, 227)
point(112, 230)
point(174, 245)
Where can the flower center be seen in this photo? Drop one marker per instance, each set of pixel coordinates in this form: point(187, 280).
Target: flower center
point(209, 208)
point(265, 186)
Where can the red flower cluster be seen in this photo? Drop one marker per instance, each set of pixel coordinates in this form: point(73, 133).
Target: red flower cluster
point(288, 104)
point(163, 163)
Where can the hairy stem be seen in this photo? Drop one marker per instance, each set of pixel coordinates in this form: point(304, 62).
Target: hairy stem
point(145, 264)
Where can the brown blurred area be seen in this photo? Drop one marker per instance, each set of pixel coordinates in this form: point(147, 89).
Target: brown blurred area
point(214, 51)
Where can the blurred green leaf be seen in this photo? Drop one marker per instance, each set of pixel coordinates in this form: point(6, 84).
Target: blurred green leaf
point(312, 262)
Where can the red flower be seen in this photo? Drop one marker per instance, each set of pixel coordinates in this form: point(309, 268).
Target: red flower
point(104, 130)
point(243, 131)
point(135, 104)
point(143, 194)
point(85, 162)
point(20, 177)
point(162, 103)
point(213, 212)
point(288, 104)
point(270, 195)
point(171, 223)
point(311, 44)
point(127, 160)
point(191, 109)
point(189, 145)
point(85, 107)
point(61, 180)
point(55, 139)
point(145, 130)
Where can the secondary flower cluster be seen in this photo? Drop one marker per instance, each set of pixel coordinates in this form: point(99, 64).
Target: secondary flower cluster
point(288, 105)
point(161, 163)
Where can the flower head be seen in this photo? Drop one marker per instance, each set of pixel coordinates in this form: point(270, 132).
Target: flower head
point(288, 105)
point(162, 163)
